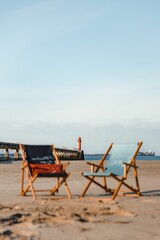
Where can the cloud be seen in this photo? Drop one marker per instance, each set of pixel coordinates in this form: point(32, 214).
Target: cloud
point(95, 137)
point(106, 104)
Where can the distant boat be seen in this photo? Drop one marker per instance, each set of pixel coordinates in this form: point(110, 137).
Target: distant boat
point(150, 153)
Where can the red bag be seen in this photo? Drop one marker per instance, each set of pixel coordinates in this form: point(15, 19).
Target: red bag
point(45, 168)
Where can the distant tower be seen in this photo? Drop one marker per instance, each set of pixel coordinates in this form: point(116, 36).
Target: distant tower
point(79, 143)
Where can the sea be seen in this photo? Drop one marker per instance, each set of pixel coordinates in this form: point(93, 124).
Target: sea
point(88, 157)
point(91, 157)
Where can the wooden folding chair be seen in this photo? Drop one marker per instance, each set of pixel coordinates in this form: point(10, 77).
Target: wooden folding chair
point(42, 161)
point(122, 159)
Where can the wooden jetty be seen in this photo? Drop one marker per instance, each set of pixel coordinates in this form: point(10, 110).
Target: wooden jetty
point(63, 153)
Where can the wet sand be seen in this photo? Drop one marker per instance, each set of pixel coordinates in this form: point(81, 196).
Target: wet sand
point(92, 217)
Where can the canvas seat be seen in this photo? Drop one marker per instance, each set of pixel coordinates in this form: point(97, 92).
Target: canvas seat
point(42, 161)
point(122, 161)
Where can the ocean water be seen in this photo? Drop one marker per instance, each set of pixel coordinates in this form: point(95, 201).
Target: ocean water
point(91, 157)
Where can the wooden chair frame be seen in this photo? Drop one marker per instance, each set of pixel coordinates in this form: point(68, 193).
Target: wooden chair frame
point(120, 179)
point(27, 176)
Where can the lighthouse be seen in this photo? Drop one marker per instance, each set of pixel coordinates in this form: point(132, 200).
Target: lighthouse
point(80, 152)
point(79, 143)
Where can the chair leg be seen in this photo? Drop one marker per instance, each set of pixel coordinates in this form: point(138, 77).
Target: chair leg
point(32, 189)
point(56, 188)
point(92, 180)
point(22, 182)
point(136, 191)
point(105, 182)
point(30, 185)
point(86, 188)
point(68, 190)
point(117, 190)
point(137, 182)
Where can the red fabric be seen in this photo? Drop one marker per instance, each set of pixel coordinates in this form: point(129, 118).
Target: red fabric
point(46, 168)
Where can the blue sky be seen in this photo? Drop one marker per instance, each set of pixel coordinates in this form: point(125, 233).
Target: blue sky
point(80, 68)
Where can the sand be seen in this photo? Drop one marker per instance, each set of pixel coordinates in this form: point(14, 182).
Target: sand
point(93, 217)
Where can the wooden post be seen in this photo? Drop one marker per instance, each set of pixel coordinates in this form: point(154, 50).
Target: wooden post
point(7, 153)
point(16, 154)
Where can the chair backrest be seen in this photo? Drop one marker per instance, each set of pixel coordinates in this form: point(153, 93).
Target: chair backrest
point(120, 153)
point(39, 154)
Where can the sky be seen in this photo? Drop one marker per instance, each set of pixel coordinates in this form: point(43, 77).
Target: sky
point(88, 68)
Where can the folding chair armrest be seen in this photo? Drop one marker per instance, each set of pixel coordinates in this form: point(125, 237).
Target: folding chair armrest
point(65, 165)
point(125, 168)
point(130, 165)
point(94, 165)
point(125, 171)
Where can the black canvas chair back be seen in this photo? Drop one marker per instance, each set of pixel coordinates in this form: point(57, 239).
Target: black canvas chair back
point(39, 154)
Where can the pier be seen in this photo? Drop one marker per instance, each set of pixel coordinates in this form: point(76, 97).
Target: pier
point(63, 153)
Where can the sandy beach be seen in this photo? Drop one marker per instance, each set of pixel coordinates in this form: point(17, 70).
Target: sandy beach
point(57, 217)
